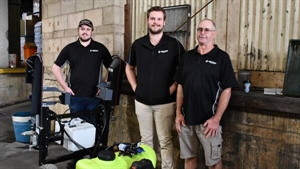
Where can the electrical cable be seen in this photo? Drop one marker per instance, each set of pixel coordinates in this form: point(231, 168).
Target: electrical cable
point(66, 111)
point(79, 146)
point(29, 61)
point(102, 109)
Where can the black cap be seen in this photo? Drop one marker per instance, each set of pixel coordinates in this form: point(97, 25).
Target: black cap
point(86, 22)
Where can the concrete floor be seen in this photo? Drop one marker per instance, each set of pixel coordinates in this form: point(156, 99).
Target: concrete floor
point(16, 155)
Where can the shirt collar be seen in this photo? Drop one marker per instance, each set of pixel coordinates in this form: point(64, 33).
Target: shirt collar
point(212, 53)
point(162, 41)
point(79, 44)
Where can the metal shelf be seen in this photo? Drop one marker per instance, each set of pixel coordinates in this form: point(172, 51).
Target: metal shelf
point(12, 70)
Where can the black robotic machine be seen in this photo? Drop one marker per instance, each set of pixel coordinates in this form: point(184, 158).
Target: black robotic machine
point(42, 116)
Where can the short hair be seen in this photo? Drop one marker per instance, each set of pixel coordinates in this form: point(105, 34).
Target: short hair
point(214, 25)
point(157, 9)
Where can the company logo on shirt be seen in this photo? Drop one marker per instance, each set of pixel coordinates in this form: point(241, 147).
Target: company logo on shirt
point(163, 51)
point(93, 50)
point(211, 62)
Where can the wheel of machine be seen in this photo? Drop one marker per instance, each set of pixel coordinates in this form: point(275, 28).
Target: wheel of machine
point(48, 166)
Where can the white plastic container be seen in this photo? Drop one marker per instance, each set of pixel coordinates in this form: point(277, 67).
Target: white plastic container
point(83, 133)
point(66, 122)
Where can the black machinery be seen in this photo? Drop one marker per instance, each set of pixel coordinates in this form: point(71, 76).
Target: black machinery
point(42, 116)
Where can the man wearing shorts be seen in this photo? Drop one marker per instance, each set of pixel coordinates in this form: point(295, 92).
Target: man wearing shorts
point(205, 78)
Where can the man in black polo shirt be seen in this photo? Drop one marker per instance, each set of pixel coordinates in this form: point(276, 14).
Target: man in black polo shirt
point(84, 57)
point(156, 57)
point(205, 78)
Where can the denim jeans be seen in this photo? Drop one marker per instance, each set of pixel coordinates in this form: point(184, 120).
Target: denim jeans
point(79, 104)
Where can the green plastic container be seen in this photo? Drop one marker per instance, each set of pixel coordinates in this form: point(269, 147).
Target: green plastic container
point(120, 162)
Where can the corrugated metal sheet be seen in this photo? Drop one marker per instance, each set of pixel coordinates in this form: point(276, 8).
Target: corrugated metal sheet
point(139, 15)
point(266, 26)
point(263, 27)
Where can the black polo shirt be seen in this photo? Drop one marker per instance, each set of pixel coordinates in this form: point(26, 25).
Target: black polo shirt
point(84, 65)
point(203, 77)
point(156, 68)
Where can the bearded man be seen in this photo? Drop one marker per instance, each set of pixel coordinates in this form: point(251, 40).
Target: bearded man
point(155, 56)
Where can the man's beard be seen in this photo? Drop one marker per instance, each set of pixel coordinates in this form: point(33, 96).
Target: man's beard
point(155, 32)
point(84, 40)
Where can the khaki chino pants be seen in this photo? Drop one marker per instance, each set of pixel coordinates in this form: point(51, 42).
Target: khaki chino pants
point(162, 118)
